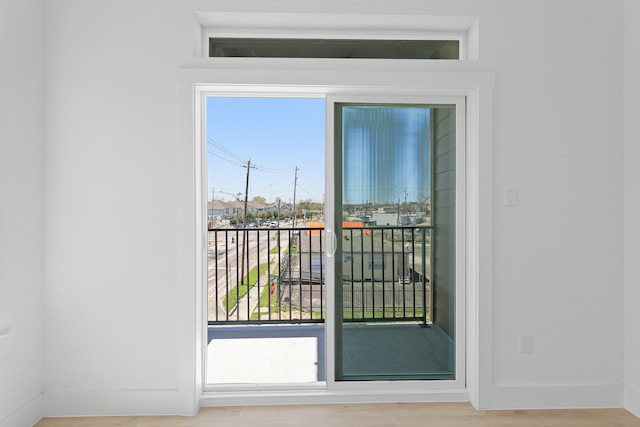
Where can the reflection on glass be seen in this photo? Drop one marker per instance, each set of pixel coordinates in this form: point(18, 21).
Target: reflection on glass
point(394, 160)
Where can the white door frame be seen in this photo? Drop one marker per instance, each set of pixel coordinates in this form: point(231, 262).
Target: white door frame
point(476, 88)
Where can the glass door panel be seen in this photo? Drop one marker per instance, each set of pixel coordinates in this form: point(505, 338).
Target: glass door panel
point(265, 283)
point(395, 170)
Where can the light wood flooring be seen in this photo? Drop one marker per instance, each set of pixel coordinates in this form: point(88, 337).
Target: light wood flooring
point(365, 415)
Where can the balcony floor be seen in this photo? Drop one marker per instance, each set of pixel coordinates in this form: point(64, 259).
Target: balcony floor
point(296, 353)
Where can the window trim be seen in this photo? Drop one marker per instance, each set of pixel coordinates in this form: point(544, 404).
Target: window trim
point(478, 89)
point(338, 26)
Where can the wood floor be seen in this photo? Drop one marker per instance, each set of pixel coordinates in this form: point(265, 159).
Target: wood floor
point(366, 415)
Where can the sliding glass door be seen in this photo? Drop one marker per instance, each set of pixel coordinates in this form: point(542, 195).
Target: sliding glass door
point(360, 287)
point(397, 182)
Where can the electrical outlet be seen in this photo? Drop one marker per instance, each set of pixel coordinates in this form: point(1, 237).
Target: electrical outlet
point(524, 343)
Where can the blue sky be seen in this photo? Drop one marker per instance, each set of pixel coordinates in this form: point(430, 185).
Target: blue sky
point(277, 134)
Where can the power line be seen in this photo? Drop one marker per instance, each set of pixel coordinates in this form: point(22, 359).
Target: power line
point(301, 176)
point(241, 161)
point(226, 150)
point(233, 162)
point(308, 193)
point(265, 170)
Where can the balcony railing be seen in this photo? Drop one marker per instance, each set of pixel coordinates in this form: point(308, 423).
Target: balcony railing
point(277, 275)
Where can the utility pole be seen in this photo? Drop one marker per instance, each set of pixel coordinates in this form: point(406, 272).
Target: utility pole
point(235, 206)
point(246, 195)
point(279, 201)
point(405, 204)
point(366, 210)
point(245, 232)
point(295, 185)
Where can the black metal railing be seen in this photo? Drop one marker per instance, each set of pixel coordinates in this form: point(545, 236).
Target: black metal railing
point(277, 275)
point(385, 273)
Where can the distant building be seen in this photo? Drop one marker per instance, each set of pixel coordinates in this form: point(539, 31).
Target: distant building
point(385, 218)
point(228, 210)
point(274, 208)
point(367, 254)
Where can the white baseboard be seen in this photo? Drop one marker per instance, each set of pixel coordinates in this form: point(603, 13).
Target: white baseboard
point(308, 397)
point(174, 402)
point(118, 403)
point(27, 415)
point(632, 400)
point(501, 397)
point(560, 396)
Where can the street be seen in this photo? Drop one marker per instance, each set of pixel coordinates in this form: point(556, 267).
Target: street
point(226, 266)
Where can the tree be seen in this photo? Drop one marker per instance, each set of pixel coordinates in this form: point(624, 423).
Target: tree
point(310, 205)
point(259, 199)
point(266, 215)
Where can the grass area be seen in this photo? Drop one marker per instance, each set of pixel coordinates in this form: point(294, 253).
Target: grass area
point(274, 250)
point(315, 314)
point(279, 311)
point(242, 289)
point(264, 304)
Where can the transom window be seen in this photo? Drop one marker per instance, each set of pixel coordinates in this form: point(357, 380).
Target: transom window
point(333, 48)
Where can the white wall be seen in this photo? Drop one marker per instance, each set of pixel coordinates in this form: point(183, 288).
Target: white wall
point(21, 210)
point(119, 238)
point(113, 248)
point(632, 207)
point(557, 259)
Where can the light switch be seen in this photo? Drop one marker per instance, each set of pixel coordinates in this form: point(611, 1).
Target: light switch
point(510, 196)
